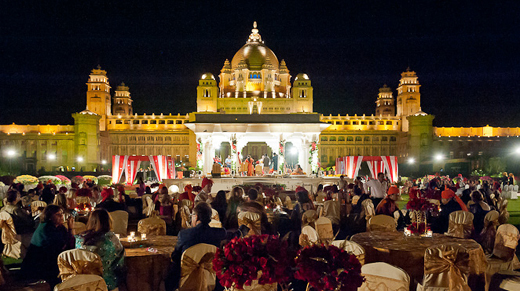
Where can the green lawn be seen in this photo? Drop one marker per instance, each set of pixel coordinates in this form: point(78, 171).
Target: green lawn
point(513, 207)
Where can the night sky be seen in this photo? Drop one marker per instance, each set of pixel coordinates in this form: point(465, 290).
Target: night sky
point(467, 56)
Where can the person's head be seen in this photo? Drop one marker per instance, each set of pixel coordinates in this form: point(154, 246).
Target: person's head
point(341, 177)
point(511, 175)
point(381, 177)
point(107, 193)
point(148, 190)
point(47, 190)
point(320, 187)
point(163, 191)
point(447, 195)
point(476, 196)
point(252, 194)
point(62, 190)
point(206, 185)
point(164, 197)
point(303, 196)
point(31, 192)
point(504, 174)
point(99, 221)
point(13, 197)
point(237, 192)
point(61, 200)
point(52, 214)
point(274, 154)
point(201, 214)
point(358, 191)
point(220, 199)
point(393, 192)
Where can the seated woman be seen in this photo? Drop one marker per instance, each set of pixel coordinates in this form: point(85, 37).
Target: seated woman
point(100, 240)
point(450, 203)
point(48, 241)
point(303, 204)
point(220, 205)
point(479, 208)
point(164, 205)
point(231, 217)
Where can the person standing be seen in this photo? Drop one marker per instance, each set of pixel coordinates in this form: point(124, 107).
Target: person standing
point(228, 162)
point(267, 164)
point(274, 162)
point(250, 166)
point(377, 187)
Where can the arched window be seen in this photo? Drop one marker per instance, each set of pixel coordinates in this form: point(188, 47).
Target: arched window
point(207, 93)
point(349, 138)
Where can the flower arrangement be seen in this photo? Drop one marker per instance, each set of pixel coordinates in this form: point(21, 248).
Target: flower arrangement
point(104, 180)
point(64, 180)
point(328, 268)
point(77, 179)
point(313, 156)
point(53, 180)
point(200, 157)
point(420, 204)
point(84, 207)
point(26, 180)
point(91, 178)
point(260, 257)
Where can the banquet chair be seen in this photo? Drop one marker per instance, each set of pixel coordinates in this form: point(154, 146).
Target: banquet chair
point(505, 281)
point(79, 262)
point(12, 241)
point(308, 237)
point(83, 283)
point(185, 216)
point(504, 257)
point(119, 222)
point(79, 227)
point(514, 193)
point(152, 225)
point(146, 203)
point(446, 267)
point(351, 248)
point(288, 202)
point(488, 233)
point(461, 224)
point(331, 211)
point(252, 220)
point(381, 222)
point(197, 272)
point(82, 199)
point(214, 214)
point(383, 276)
point(309, 217)
point(324, 229)
point(215, 223)
point(278, 202)
point(502, 210)
point(505, 192)
point(37, 207)
point(368, 210)
point(397, 215)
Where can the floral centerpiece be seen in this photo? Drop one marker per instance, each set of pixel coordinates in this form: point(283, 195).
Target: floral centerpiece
point(313, 156)
point(49, 180)
point(26, 180)
point(64, 180)
point(84, 207)
point(89, 178)
point(418, 208)
point(258, 259)
point(328, 268)
point(104, 180)
point(77, 179)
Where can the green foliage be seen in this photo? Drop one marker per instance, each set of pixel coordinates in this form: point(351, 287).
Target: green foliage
point(496, 165)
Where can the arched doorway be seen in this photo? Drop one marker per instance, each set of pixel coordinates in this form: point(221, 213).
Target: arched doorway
point(256, 150)
point(291, 155)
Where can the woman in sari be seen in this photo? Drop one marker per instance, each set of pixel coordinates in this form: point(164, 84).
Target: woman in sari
point(250, 166)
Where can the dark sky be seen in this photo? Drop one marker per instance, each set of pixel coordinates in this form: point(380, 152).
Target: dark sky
point(467, 56)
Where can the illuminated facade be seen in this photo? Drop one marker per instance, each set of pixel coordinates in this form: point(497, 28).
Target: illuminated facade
point(253, 108)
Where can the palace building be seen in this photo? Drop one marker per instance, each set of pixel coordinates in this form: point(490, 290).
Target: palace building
point(253, 107)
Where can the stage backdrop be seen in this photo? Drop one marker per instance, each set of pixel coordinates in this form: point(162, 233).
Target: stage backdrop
point(349, 166)
point(164, 167)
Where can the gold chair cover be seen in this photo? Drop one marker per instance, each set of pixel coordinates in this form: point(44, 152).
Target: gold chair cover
point(146, 203)
point(505, 280)
point(324, 229)
point(488, 234)
point(308, 237)
point(251, 220)
point(83, 283)
point(79, 227)
point(214, 215)
point(288, 202)
point(384, 277)
point(82, 199)
point(368, 209)
point(37, 207)
point(197, 268)
point(461, 224)
point(185, 216)
point(119, 222)
point(502, 209)
point(187, 203)
point(150, 206)
point(446, 266)
point(309, 217)
point(77, 262)
point(152, 226)
point(504, 257)
point(352, 248)
point(215, 223)
point(331, 211)
point(382, 223)
point(12, 244)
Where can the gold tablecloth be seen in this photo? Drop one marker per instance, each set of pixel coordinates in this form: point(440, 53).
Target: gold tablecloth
point(146, 270)
point(408, 252)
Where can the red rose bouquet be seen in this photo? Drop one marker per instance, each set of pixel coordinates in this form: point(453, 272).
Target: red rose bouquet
point(420, 204)
point(328, 268)
point(259, 257)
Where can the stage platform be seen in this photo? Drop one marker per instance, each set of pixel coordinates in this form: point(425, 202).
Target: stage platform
point(227, 183)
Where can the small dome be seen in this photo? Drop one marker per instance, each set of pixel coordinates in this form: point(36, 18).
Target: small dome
point(420, 113)
point(207, 76)
point(301, 76)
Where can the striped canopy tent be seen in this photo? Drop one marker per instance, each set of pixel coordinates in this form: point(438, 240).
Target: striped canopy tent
point(349, 166)
point(164, 167)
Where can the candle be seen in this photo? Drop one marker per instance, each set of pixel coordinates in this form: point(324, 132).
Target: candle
point(117, 235)
point(132, 234)
point(143, 236)
point(429, 233)
point(129, 238)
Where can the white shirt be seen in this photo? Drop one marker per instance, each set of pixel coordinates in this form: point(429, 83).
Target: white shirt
point(377, 189)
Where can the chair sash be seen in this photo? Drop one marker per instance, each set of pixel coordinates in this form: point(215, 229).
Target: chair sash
point(251, 220)
point(331, 211)
point(324, 229)
point(504, 214)
point(461, 224)
point(309, 217)
point(77, 261)
point(488, 233)
point(37, 207)
point(185, 216)
point(152, 226)
point(506, 240)
point(193, 272)
point(150, 207)
point(452, 260)
point(214, 215)
point(382, 223)
point(12, 245)
point(83, 283)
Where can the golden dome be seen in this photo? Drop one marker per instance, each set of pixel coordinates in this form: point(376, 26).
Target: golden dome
point(207, 76)
point(302, 76)
point(255, 53)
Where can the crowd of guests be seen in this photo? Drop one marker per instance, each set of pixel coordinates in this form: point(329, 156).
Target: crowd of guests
point(52, 232)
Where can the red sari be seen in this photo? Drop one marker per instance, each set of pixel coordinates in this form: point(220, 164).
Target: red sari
point(250, 167)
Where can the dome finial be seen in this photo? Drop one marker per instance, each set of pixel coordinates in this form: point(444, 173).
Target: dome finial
point(254, 24)
point(254, 36)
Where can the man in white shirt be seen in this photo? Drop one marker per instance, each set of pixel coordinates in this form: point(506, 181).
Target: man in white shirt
point(378, 188)
point(206, 190)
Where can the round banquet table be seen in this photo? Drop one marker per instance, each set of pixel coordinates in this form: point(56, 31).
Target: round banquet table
point(407, 252)
point(145, 269)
